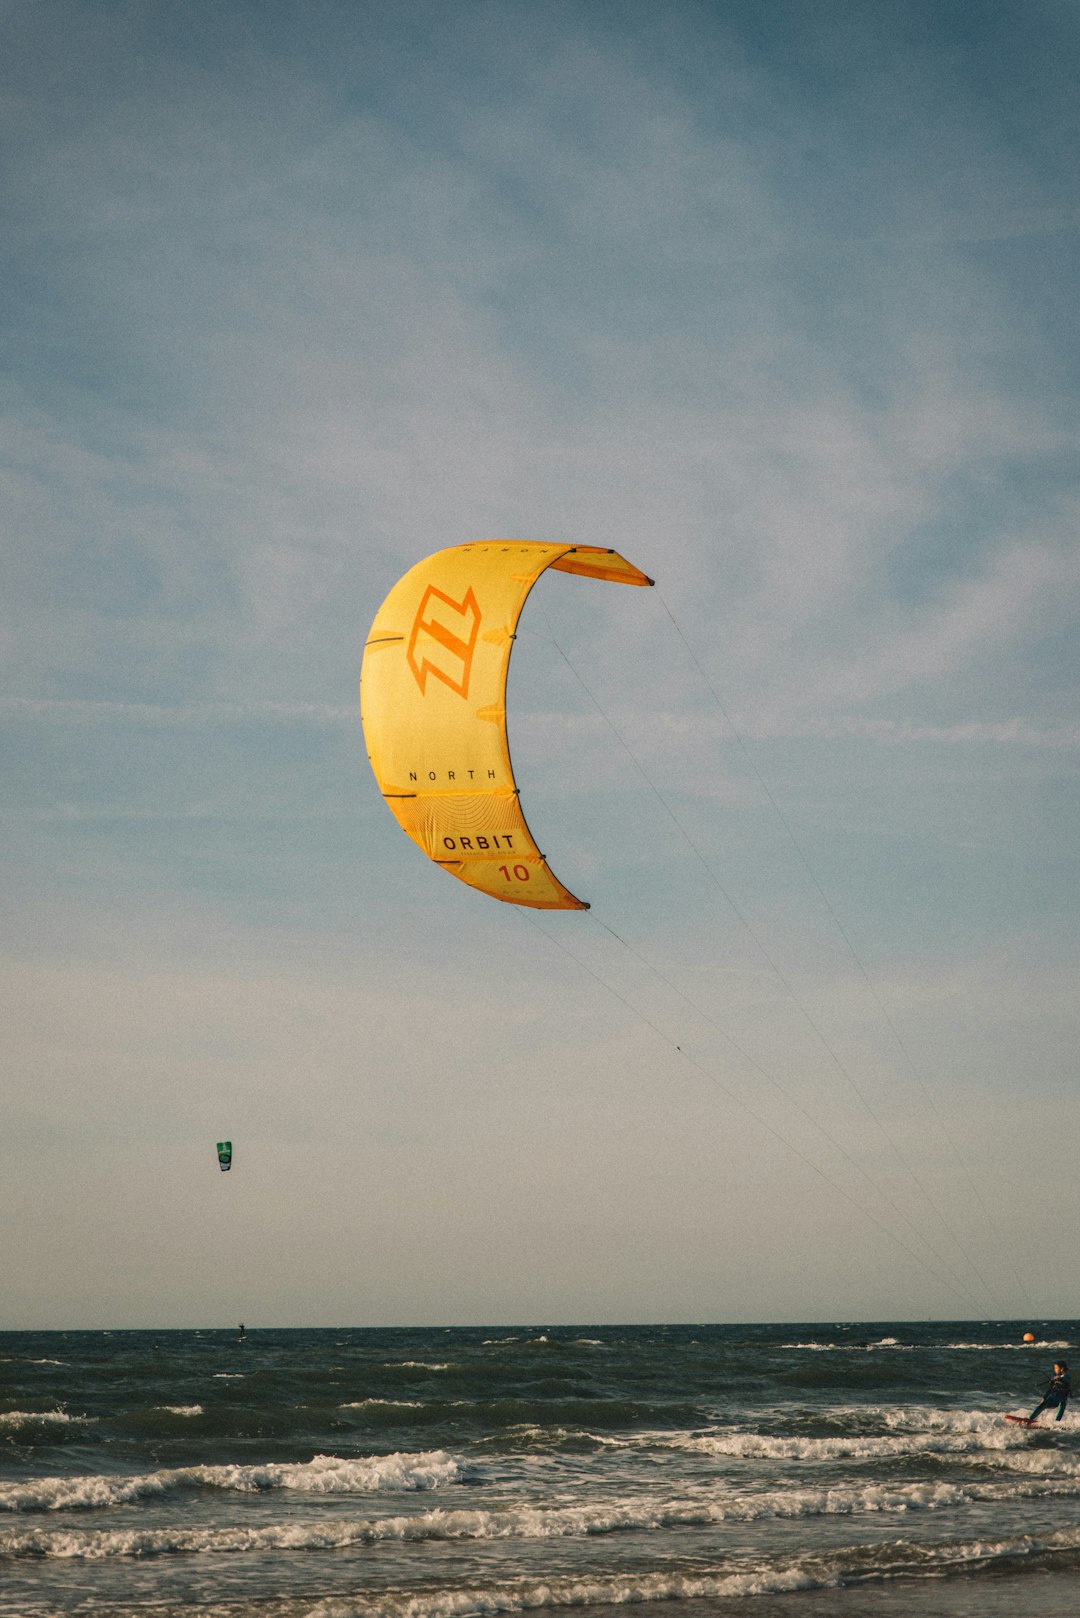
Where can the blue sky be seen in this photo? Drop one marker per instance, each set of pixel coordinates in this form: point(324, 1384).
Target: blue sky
point(777, 299)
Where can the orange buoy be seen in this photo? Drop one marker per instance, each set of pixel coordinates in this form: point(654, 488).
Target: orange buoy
point(1029, 1337)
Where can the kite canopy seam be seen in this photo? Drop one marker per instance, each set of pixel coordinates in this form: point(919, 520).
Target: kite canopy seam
point(433, 706)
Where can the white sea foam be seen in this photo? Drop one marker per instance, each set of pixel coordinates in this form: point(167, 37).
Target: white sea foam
point(400, 1404)
point(529, 1595)
point(181, 1410)
point(528, 1523)
point(1024, 1347)
point(12, 1420)
point(909, 1430)
point(326, 1474)
point(852, 1348)
point(808, 1572)
point(919, 1418)
point(863, 1347)
point(1033, 1462)
point(764, 1446)
point(822, 1348)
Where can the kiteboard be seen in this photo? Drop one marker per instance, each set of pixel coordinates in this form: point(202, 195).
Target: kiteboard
point(1022, 1421)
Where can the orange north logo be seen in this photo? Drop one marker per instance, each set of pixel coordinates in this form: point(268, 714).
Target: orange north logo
point(443, 640)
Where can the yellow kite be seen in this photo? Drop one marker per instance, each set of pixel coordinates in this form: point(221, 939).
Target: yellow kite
point(433, 704)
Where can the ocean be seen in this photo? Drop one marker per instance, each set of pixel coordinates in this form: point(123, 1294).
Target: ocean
point(770, 1471)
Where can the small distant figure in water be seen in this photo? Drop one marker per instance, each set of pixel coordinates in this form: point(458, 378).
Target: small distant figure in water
point(243, 1333)
point(1057, 1392)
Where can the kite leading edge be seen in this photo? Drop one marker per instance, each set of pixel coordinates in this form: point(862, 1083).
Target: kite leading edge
point(433, 705)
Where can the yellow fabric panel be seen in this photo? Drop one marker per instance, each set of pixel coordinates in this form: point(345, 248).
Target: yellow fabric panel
point(598, 564)
point(432, 697)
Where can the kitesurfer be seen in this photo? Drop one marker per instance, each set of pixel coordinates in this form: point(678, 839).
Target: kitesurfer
point(1057, 1392)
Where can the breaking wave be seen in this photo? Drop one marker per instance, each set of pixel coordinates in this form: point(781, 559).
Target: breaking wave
point(528, 1523)
point(849, 1565)
point(13, 1420)
point(325, 1474)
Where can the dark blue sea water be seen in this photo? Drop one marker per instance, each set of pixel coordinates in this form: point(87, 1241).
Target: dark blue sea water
point(761, 1470)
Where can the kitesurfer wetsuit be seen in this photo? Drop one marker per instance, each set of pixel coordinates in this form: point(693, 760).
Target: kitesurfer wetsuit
point(1057, 1392)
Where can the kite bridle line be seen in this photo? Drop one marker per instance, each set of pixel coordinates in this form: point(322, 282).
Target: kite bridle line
point(957, 1284)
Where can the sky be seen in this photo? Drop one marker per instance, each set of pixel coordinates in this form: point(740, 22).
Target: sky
point(777, 299)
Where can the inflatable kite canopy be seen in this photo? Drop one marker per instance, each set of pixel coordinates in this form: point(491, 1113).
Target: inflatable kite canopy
point(433, 704)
